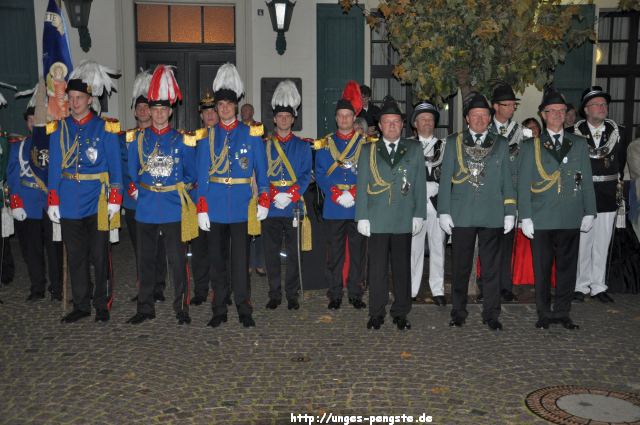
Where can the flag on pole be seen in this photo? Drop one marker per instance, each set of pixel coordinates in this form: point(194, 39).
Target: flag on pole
point(55, 44)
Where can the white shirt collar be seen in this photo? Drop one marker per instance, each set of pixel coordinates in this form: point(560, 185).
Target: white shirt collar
point(482, 135)
point(552, 133)
point(599, 128)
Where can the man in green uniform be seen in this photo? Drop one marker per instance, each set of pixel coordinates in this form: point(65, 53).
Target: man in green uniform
point(557, 199)
point(391, 203)
point(477, 195)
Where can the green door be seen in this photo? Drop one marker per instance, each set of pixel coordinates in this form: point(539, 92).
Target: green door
point(18, 65)
point(574, 75)
point(340, 55)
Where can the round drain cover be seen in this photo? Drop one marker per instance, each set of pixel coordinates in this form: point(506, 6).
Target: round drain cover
point(569, 405)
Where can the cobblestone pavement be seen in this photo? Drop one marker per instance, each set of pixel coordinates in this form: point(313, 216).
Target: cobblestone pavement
point(311, 361)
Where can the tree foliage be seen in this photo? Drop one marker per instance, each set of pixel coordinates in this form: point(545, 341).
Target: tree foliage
point(446, 45)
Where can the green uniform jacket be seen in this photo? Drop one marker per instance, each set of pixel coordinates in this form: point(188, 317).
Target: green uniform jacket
point(487, 205)
point(548, 192)
point(379, 198)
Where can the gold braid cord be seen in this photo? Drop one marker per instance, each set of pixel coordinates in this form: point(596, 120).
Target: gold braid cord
point(275, 166)
point(377, 178)
point(341, 157)
point(463, 174)
point(144, 166)
point(219, 164)
point(547, 180)
point(67, 153)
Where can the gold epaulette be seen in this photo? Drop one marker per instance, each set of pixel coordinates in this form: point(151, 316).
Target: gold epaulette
point(131, 135)
point(256, 129)
point(111, 125)
point(371, 139)
point(321, 143)
point(201, 133)
point(52, 126)
point(189, 138)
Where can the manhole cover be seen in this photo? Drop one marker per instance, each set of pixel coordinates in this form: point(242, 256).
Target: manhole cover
point(569, 405)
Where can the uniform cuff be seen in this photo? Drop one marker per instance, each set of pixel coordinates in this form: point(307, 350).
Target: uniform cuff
point(294, 190)
point(115, 197)
point(335, 194)
point(16, 202)
point(131, 189)
point(352, 191)
point(264, 200)
point(53, 199)
point(202, 206)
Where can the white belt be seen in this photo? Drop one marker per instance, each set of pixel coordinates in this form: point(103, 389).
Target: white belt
point(608, 178)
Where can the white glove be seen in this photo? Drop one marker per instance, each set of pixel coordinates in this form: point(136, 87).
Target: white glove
point(527, 227)
point(364, 228)
point(134, 194)
point(54, 213)
point(446, 223)
point(282, 200)
point(346, 199)
point(509, 222)
point(262, 212)
point(112, 210)
point(19, 214)
point(432, 189)
point(587, 223)
point(416, 226)
point(203, 221)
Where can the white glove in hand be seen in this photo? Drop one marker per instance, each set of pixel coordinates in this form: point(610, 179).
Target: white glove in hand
point(446, 223)
point(346, 199)
point(282, 200)
point(262, 212)
point(364, 228)
point(527, 227)
point(112, 210)
point(134, 194)
point(54, 213)
point(587, 223)
point(509, 222)
point(203, 221)
point(19, 214)
point(416, 226)
point(432, 189)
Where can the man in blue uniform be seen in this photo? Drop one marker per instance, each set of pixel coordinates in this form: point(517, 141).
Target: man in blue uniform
point(161, 165)
point(335, 171)
point(227, 158)
point(289, 161)
point(142, 114)
point(33, 226)
point(85, 181)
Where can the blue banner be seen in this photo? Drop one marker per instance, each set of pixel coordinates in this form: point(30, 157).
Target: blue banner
point(55, 45)
point(39, 155)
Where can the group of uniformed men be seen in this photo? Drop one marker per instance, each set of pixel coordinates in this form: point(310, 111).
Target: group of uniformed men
point(385, 199)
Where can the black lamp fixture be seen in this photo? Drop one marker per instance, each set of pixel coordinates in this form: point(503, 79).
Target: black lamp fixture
point(78, 12)
point(280, 12)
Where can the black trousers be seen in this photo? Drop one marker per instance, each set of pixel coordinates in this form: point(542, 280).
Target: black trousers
point(220, 237)
point(337, 233)
point(381, 246)
point(161, 255)
point(200, 266)
point(86, 245)
point(561, 245)
point(35, 237)
point(506, 263)
point(8, 267)
point(148, 241)
point(273, 231)
point(463, 243)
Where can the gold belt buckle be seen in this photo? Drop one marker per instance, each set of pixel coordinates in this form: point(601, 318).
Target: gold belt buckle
point(227, 180)
point(283, 183)
point(76, 176)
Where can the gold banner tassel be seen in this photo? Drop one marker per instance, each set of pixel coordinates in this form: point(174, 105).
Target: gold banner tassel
point(253, 224)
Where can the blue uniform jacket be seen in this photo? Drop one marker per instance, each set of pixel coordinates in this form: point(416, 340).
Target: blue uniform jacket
point(299, 154)
point(127, 201)
point(341, 175)
point(228, 203)
point(174, 163)
point(21, 181)
point(97, 151)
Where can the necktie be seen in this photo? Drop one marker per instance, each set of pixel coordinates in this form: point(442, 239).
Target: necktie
point(503, 130)
point(557, 143)
point(478, 137)
point(392, 146)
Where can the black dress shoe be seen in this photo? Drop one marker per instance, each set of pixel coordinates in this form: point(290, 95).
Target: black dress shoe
point(357, 303)
point(456, 323)
point(479, 297)
point(273, 304)
point(35, 296)
point(102, 316)
point(493, 324)
point(229, 300)
point(334, 304)
point(197, 299)
point(543, 323)
point(247, 321)
point(375, 322)
point(578, 297)
point(217, 320)
point(261, 273)
point(134, 299)
point(293, 304)
point(508, 296)
point(74, 316)
point(439, 300)
point(158, 296)
point(140, 317)
point(567, 323)
point(183, 317)
point(402, 323)
point(608, 297)
point(602, 297)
